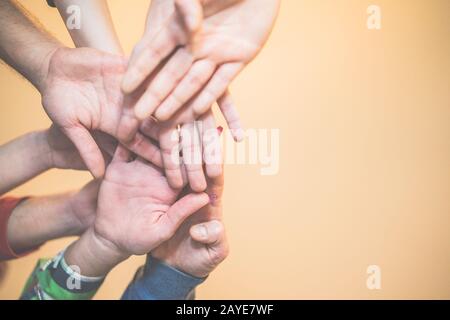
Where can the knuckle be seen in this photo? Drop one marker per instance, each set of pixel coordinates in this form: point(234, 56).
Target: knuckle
point(137, 142)
point(178, 99)
point(220, 254)
point(196, 81)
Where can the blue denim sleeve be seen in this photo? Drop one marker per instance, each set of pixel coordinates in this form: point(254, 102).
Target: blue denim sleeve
point(160, 281)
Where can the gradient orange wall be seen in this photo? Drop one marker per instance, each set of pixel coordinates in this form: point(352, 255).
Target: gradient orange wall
point(364, 119)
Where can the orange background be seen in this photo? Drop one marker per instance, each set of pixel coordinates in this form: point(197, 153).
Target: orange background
point(364, 119)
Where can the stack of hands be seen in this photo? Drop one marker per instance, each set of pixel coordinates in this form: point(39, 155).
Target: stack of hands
point(142, 126)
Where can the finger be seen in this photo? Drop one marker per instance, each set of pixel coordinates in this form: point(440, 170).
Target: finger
point(199, 74)
point(211, 7)
point(164, 82)
point(122, 154)
point(169, 142)
point(212, 150)
point(229, 111)
point(106, 142)
point(148, 164)
point(215, 192)
point(144, 148)
point(181, 210)
point(211, 232)
point(192, 13)
point(216, 87)
point(192, 156)
point(150, 128)
point(144, 63)
point(88, 149)
point(184, 174)
point(128, 126)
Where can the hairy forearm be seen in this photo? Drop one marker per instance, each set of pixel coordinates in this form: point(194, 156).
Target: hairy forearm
point(24, 44)
point(40, 219)
point(22, 159)
point(96, 29)
point(93, 255)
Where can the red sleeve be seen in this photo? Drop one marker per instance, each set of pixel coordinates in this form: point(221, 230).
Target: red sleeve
point(7, 206)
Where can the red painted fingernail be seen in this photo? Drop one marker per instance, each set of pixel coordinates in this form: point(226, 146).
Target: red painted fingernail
point(213, 198)
point(220, 130)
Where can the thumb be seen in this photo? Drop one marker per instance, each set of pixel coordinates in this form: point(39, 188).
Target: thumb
point(192, 13)
point(182, 209)
point(211, 232)
point(88, 149)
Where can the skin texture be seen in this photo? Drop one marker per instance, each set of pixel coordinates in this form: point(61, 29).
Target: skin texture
point(164, 15)
point(84, 81)
point(200, 244)
point(3, 271)
point(71, 75)
point(81, 80)
point(31, 154)
point(24, 44)
point(205, 64)
point(84, 38)
point(97, 30)
point(87, 83)
point(195, 140)
point(64, 155)
point(187, 71)
point(40, 219)
point(135, 202)
point(137, 211)
point(22, 159)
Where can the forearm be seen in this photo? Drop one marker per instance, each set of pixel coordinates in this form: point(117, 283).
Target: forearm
point(40, 219)
point(24, 45)
point(93, 256)
point(97, 28)
point(22, 159)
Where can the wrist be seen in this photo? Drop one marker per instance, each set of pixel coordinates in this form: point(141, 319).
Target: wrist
point(161, 281)
point(94, 255)
point(41, 142)
point(39, 80)
point(190, 271)
point(35, 221)
point(82, 206)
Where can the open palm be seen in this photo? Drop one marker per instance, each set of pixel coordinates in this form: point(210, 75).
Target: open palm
point(82, 93)
point(227, 41)
point(137, 209)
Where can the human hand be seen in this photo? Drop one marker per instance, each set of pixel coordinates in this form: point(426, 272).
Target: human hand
point(198, 142)
point(164, 18)
point(200, 244)
point(137, 209)
point(207, 62)
point(62, 153)
point(81, 93)
point(83, 205)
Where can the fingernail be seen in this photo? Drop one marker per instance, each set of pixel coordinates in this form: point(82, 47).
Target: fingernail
point(238, 135)
point(161, 114)
point(220, 130)
point(212, 198)
point(201, 231)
